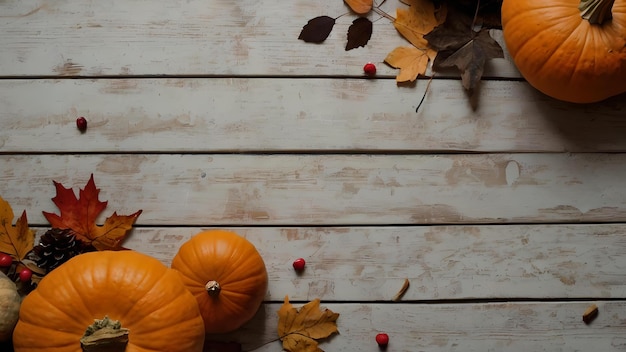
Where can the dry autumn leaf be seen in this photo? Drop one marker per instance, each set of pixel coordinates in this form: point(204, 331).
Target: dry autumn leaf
point(420, 18)
point(299, 329)
point(360, 7)
point(79, 214)
point(16, 240)
point(359, 33)
point(411, 61)
point(459, 45)
point(413, 23)
point(317, 29)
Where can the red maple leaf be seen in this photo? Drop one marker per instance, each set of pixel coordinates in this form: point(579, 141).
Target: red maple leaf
point(79, 215)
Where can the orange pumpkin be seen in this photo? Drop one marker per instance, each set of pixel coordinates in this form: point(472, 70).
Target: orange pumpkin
point(572, 50)
point(146, 297)
point(226, 274)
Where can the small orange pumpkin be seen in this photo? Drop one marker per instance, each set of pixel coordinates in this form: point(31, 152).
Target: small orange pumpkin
point(155, 310)
point(572, 50)
point(226, 274)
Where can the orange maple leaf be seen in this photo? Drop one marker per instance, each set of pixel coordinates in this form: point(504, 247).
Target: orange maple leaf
point(413, 23)
point(79, 215)
point(416, 21)
point(16, 240)
point(299, 329)
point(411, 61)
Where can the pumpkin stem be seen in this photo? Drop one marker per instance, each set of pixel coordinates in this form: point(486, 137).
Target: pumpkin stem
point(105, 335)
point(596, 11)
point(213, 288)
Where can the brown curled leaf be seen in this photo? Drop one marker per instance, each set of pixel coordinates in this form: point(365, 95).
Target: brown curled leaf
point(403, 289)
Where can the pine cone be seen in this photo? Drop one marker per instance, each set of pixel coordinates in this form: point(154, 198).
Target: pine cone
point(55, 247)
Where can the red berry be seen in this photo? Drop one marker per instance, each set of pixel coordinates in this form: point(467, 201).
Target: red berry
point(5, 260)
point(369, 69)
point(25, 275)
point(81, 124)
point(298, 264)
point(382, 339)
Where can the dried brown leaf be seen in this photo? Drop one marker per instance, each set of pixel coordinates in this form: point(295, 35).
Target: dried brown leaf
point(459, 45)
point(317, 29)
point(299, 329)
point(359, 33)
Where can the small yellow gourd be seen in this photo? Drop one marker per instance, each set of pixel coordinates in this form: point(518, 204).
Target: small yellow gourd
point(10, 301)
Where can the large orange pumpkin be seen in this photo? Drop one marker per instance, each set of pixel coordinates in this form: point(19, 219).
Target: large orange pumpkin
point(226, 274)
point(572, 50)
point(145, 296)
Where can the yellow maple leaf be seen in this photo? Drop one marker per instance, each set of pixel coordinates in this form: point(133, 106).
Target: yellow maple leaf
point(16, 240)
point(299, 329)
point(360, 7)
point(416, 21)
point(411, 61)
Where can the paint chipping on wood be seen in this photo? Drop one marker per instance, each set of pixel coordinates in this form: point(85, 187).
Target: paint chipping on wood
point(68, 68)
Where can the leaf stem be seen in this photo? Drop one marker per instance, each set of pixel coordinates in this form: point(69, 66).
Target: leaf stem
point(475, 15)
point(384, 14)
point(424, 96)
point(343, 14)
point(276, 339)
point(381, 4)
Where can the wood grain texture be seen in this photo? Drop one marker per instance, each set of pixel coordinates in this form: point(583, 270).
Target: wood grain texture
point(195, 37)
point(494, 327)
point(307, 115)
point(244, 189)
point(441, 262)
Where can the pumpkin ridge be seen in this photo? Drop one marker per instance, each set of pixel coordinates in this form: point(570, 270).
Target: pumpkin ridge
point(541, 10)
point(156, 289)
point(185, 268)
point(206, 269)
point(38, 344)
point(587, 43)
point(165, 307)
point(521, 47)
point(236, 260)
point(140, 287)
point(82, 300)
point(45, 312)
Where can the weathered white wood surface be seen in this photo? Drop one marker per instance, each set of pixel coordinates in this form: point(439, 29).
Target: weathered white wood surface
point(235, 189)
point(441, 262)
point(212, 113)
point(492, 327)
point(195, 37)
point(354, 115)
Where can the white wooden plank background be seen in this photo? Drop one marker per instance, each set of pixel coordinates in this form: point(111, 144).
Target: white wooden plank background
point(232, 189)
point(226, 114)
point(441, 262)
point(492, 327)
point(195, 37)
point(507, 216)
